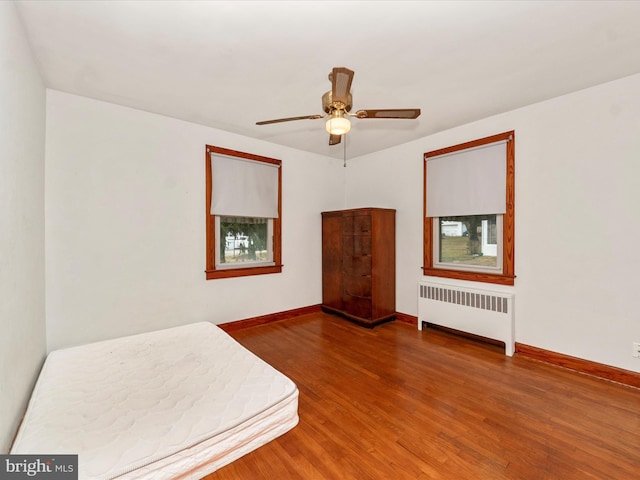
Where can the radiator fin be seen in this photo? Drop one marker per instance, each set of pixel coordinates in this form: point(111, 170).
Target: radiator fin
point(468, 299)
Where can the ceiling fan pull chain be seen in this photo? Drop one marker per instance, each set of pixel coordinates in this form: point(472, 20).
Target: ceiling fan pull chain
point(344, 151)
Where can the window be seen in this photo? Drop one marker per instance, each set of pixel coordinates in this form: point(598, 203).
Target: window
point(243, 213)
point(469, 210)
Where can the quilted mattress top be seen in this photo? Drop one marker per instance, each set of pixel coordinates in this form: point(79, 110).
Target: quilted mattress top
point(124, 403)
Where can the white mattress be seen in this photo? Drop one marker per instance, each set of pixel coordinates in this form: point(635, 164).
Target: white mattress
point(176, 403)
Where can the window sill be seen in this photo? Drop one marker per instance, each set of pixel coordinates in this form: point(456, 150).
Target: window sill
point(470, 276)
point(242, 272)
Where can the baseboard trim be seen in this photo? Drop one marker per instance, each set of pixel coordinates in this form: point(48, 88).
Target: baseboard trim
point(272, 317)
point(600, 370)
point(405, 318)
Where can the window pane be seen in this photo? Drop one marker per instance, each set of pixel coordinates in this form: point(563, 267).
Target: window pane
point(469, 240)
point(244, 240)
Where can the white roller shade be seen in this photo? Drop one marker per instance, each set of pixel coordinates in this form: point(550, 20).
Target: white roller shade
point(468, 182)
point(243, 188)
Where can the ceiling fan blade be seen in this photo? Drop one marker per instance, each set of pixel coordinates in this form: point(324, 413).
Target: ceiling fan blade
point(409, 113)
point(278, 120)
point(341, 79)
point(335, 139)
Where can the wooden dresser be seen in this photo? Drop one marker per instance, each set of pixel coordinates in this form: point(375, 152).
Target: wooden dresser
point(359, 264)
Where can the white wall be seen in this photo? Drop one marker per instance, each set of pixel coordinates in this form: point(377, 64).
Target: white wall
point(125, 218)
point(22, 124)
point(577, 217)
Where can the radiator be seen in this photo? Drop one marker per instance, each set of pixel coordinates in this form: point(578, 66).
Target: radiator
point(480, 312)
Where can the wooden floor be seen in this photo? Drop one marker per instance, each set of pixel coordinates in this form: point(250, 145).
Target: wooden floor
point(395, 403)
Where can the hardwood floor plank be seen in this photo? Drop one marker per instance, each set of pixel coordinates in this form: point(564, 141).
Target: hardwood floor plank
point(393, 402)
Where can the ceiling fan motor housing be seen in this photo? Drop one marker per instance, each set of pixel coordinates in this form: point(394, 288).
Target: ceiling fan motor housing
point(328, 105)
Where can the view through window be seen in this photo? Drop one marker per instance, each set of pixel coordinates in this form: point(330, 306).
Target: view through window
point(468, 241)
point(244, 240)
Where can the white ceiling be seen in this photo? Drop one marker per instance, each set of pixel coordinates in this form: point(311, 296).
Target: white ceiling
point(228, 64)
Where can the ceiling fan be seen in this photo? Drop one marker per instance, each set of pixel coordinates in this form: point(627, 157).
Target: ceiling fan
point(337, 106)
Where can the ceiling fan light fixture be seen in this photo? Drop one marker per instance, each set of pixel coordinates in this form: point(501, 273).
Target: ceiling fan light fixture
point(338, 124)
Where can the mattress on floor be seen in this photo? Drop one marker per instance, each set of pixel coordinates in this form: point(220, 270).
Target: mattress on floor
point(175, 403)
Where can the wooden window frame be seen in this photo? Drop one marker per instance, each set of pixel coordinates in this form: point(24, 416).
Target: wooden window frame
point(211, 271)
point(507, 277)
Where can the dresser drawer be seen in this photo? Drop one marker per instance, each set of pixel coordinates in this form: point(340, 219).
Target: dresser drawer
point(356, 265)
point(356, 224)
point(357, 286)
point(358, 306)
point(356, 245)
